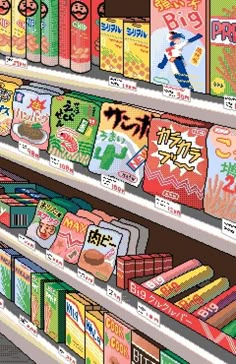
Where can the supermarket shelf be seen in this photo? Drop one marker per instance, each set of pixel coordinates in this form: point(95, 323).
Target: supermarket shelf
point(192, 223)
point(170, 333)
point(40, 348)
point(202, 107)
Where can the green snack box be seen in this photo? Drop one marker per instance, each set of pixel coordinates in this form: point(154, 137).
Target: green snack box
point(37, 296)
point(55, 310)
point(7, 272)
point(168, 357)
point(68, 204)
point(50, 32)
point(33, 32)
point(84, 205)
point(230, 329)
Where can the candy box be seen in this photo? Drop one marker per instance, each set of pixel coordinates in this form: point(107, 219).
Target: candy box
point(117, 340)
point(5, 28)
point(76, 307)
point(94, 348)
point(55, 309)
point(23, 270)
point(37, 297)
point(7, 272)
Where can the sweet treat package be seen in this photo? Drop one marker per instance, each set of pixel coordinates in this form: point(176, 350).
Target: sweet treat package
point(104, 216)
point(76, 307)
point(230, 329)
point(222, 48)
point(23, 270)
point(80, 32)
point(98, 10)
point(7, 272)
point(143, 235)
point(125, 271)
point(121, 145)
point(70, 238)
point(64, 38)
point(133, 238)
point(99, 252)
point(124, 243)
point(18, 29)
point(54, 310)
point(219, 200)
point(177, 160)
point(5, 28)
point(224, 316)
point(94, 337)
point(144, 349)
point(116, 331)
point(33, 31)
point(179, 49)
point(49, 32)
point(95, 219)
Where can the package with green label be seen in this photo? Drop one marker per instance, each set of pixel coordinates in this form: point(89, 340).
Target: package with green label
point(33, 31)
point(49, 32)
point(168, 357)
point(54, 310)
point(37, 297)
point(7, 272)
point(23, 270)
point(74, 122)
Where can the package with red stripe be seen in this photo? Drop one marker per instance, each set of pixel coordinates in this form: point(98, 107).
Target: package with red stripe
point(177, 159)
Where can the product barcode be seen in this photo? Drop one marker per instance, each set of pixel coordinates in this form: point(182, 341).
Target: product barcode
point(20, 220)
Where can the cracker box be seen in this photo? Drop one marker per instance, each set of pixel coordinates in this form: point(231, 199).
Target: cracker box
point(125, 271)
point(144, 350)
point(18, 29)
point(111, 45)
point(33, 31)
point(7, 272)
point(5, 28)
point(179, 44)
point(54, 310)
point(117, 340)
point(94, 337)
point(37, 297)
point(23, 270)
point(137, 50)
point(222, 45)
point(76, 307)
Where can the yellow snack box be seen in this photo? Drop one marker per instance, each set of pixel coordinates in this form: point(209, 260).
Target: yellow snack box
point(94, 337)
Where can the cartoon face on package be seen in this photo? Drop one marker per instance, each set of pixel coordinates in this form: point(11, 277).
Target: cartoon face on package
point(220, 188)
point(31, 117)
point(7, 90)
point(121, 144)
point(99, 252)
point(46, 223)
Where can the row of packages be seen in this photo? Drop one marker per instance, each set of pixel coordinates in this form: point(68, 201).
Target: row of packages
point(69, 317)
point(188, 161)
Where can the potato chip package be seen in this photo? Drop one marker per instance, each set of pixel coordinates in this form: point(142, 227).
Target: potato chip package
point(50, 32)
point(5, 27)
point(33, 31)
point(97, 13)
point(64, 39)
point(18, 28)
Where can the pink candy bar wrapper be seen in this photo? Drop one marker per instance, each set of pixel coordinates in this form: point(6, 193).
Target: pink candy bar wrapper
point(104, 216)
point(90, 216)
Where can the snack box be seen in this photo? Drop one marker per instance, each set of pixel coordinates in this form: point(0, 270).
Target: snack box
point(18, 211)
point(7, 272)
point(37, 296)
point(8, 177)
point(54, 310)
point(94, 337)
point(144, 350)
point(23, 270)
point(76, 306)
point(168, 357)
point(168, 307)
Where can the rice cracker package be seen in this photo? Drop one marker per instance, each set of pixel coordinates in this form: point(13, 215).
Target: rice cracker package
point(33, 31)
point(18, 28)
point(55, 309)
point(121, 145)
point(74, 122)
point(50, 32)
point(5, 27)
point(94, 337)
point(223, 51)
point(177, 160)
point(80, 31)
point(178, 44)
point(99, 252)
point(70, 238)
point(98, 12)
point(37, 297)
point(7, 89)
point(76, 307)
point(7, 272)
point(117, 340)
point(220, 198)
point(31, 116)
point(46, 223)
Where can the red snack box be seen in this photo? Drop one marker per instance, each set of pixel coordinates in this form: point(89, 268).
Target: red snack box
point(158, 263)
point(167, 262)
point(139, 265)
point(148, 264)
point(125, 271)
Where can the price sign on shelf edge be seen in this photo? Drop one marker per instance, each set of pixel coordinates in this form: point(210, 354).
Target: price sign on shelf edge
point(168, 206)
point(230, 103)
point(148, 314)
point(122, 83)
point(1, 303)
point(67, 356)
point(54, 259)
point(114, 294)
point(16, 62)
point(229, 228)
point(29, 150)
point(26, 242)
point(113, 184)
point(88, 278)
point(62, 164)
point(177, 93)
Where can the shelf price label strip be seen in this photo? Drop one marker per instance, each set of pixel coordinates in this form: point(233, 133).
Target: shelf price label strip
point(86, 277)
point(113, 184)
point(54, 259)
point(67, 356)
point(30, 244)
point(177, 93)
point(114, 294)
point(148, 314)
point(31, 328)
point(61, 164)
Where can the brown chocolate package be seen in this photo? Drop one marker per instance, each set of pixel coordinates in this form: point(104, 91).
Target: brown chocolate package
point(144, 349)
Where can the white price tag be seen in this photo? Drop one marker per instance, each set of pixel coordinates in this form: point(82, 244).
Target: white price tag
point(62, 164)
point(67, 356)
point(29, 150)
point(54, 259)
point(167, 206)
point(148, 314)
point(122, 83)
point(114, 294)
point(113, 184)
point(26, 242)
point(230, 102)
point(86, 276)
point(178, 93)
point(16, 62)
point(229, 228)
point(1, 303)
point(28, 325)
